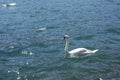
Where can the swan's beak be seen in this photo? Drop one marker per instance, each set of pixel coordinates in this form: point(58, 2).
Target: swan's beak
point(63, 38)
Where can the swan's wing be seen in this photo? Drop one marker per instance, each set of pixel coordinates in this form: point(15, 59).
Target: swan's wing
point(78, 51)
point(81, 52)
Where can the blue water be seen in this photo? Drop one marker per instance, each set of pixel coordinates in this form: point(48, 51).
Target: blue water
point(30, 45)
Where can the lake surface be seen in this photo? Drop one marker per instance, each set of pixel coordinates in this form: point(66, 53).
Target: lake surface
point(30, 45)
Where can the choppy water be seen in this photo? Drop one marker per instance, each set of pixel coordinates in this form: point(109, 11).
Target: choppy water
point(30, 45)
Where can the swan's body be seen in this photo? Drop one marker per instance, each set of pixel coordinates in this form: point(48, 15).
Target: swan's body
point(78, 51)
point(81, 52)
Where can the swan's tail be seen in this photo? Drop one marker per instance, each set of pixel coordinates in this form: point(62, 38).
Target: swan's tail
point(94, 51)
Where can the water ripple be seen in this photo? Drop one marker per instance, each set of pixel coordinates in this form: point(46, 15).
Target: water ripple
point(30, 45)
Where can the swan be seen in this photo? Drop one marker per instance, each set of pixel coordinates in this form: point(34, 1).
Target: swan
point(78, 51)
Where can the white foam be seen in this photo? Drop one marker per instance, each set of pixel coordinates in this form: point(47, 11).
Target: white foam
point(42, 29)
point(27, 53)
point(100, 79)
point(9, 5)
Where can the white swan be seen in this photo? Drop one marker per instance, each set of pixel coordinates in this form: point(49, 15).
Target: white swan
point(78, 51)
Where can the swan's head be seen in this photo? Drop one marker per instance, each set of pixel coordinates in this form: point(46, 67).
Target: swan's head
point(65, 37)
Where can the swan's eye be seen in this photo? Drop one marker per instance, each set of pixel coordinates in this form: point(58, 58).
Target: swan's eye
point(63, 37)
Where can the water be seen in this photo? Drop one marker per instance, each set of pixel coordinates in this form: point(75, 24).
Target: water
point(30, 45)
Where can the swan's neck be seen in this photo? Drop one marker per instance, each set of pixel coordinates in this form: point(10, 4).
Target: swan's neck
point(66, 46)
